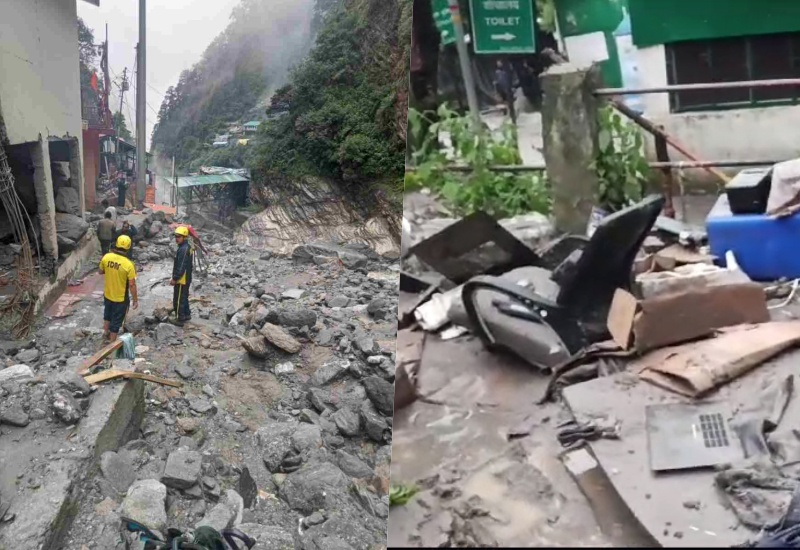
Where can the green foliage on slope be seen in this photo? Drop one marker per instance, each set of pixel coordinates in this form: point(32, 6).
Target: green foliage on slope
point(344, 107)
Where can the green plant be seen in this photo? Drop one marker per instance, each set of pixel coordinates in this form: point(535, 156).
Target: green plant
point(399, 495)
point(620, 165)
point(500, 194)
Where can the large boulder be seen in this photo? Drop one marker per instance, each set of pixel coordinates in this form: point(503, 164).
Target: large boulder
point(68, 201)
point(70, 226)
point(315, 486)
point(146, 504)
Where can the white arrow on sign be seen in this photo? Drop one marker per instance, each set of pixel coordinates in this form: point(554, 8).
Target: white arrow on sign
point(505, 37)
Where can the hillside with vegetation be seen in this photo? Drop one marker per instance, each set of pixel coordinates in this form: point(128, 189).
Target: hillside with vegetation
point(332, 103)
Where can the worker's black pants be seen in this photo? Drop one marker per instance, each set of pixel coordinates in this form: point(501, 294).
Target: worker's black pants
point(180, 302)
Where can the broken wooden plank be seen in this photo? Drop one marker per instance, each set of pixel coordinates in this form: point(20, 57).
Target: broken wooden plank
point(104, 352)
point(113, 374)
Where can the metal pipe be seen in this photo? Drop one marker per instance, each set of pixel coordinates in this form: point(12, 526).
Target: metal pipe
point(703, 86)
point(515, 168)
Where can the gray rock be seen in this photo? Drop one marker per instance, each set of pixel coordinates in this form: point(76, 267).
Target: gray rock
point(71, 226)
point(154, 229)
point(260, 315)
point(65, 407)
point(182, 469)
point(28, 356)
point(306, 437)
point(374, 425)
point(330, 372)
point(347, 422)
point(118, 470)
point(269, 537)
point(275, 442)
point(293, 294)
point(278, 337)
point(184, 371)
point(145, 503)
point(353, 466)
point(296, 317)
point(338, 301)
point(376, 305)
point(365, 345)
point(68, 201)
point(352, 260)
point(16, 373)
point(316, 486)
point(226, 514)
point(65, 245)
point(14, 417)
point(166, 332)
point(200, 405)
point(325, 336)
point(319, 399)
point(381, 393)
point(72, 382)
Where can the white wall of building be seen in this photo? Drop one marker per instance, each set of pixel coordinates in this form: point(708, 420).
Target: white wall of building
point(766, 133)
point(39, 75)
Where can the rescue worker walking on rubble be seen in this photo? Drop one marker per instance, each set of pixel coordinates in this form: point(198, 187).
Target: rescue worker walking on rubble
point(119, 276)
point(182, 276)
point(105, 232)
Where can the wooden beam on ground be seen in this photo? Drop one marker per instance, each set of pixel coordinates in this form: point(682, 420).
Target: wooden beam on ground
point(104, 352)
point(113, 374)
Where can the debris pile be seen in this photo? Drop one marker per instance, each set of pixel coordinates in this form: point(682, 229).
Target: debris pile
point(627, 325)
point(270, 411)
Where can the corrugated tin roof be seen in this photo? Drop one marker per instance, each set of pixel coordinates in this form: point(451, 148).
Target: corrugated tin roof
point(253, 123)
point(194, 181)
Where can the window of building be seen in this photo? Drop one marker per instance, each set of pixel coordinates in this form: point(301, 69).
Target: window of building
point(763, 57)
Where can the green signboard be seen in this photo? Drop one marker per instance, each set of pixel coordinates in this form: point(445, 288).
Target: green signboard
point(444, 22)
point(503, 26)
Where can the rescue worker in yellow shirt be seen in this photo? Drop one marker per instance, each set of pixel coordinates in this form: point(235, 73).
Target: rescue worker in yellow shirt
point(120, 285)
point(182, 276)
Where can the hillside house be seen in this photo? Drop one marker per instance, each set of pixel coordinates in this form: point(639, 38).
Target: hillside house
point(251, 127)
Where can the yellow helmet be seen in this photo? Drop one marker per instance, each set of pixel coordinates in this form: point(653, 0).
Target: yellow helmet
point(182, 231)
point(123, 242)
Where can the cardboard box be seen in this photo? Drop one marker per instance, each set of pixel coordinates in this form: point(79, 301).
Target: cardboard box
point(668, 319)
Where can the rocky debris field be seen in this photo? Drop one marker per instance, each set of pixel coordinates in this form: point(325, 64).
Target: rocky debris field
point(283, 425)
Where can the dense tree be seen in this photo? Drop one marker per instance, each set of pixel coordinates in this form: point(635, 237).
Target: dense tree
point(343, 120)
point(121, 127)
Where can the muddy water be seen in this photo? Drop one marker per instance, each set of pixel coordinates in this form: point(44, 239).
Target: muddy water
point(507, 493)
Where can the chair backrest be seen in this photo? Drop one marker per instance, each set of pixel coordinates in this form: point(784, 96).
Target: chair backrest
point(606, 262)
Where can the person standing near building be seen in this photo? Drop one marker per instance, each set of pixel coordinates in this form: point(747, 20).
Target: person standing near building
point(182, 276)
point(119, 276)
point(504, 85)
point(122, 187)
point(105, 232)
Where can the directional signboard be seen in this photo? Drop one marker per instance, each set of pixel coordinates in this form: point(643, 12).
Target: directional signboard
point(503, 26)
point(443, 20)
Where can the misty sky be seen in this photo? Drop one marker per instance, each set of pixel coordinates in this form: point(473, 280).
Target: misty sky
point(178, 31)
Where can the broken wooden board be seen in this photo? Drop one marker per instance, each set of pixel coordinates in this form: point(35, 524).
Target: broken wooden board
point(114, 374)
point(696, 368)
point(658, 501)
point(104, 352)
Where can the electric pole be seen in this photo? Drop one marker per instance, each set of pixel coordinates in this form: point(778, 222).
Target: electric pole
point(141, 104)
point(122, 89)
point(466, 68)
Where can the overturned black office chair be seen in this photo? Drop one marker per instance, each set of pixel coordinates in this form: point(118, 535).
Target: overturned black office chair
point(545, 317)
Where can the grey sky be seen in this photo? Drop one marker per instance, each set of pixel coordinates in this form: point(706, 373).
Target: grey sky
point(178, 31)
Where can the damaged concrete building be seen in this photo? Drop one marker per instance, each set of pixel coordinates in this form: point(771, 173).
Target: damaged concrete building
point(40, 131)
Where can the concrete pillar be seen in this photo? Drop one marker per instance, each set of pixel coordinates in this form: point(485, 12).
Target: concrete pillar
point(76, 170)
point(43, 184)
point(569, 130)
